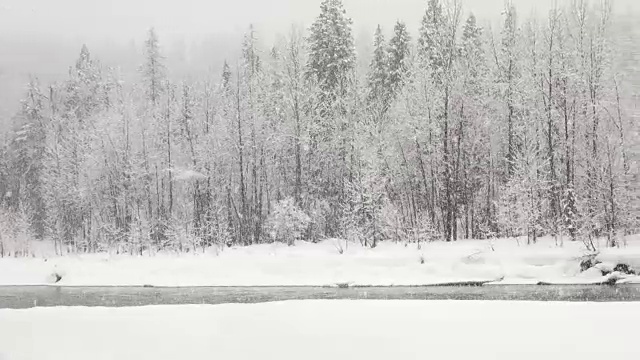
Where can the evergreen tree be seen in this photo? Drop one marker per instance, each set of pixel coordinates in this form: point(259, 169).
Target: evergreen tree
point(138, 167)
point(226, 77)
point(250, 54)
point(473, 131)
point(85, 90)
point(472, 56)
point(153, 70)
point(330, 70)
point(432, 42)
point(29, 154)
point(399, 52)
point(297, 99)
point(438, 55)
point(509, 72)
point(378, 87)
point(331, 54)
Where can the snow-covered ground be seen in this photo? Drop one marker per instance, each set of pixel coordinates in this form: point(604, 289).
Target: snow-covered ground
point(322, 264)
point(326, 330)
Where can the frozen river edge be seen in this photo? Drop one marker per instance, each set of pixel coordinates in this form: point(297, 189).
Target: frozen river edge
point(22, 297)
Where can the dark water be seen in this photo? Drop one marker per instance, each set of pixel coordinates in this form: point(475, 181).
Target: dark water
point(20, 297)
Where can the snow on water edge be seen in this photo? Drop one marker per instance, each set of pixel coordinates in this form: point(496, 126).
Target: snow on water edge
point(321, 264)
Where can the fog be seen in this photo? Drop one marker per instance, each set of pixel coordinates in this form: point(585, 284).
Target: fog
point(43, 37)
point(122, 19)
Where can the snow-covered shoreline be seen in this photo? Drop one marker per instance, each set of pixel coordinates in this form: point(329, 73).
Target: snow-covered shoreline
point(326, 330)
point(307, 264)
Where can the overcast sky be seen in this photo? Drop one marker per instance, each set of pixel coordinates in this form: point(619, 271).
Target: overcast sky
point(123, 19)
point(43, 37)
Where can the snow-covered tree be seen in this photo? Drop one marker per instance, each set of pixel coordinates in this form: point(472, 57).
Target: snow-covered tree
point(521, 209)
point(330, 72)
point(399, 53)
point(331, 55)
point(26, 192)
point(153, 70)
point(525, 130)
point(508, 74)
point(378, 92)
point(570, 213)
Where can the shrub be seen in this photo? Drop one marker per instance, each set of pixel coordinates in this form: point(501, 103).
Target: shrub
point(15, 234)
point(287, 223)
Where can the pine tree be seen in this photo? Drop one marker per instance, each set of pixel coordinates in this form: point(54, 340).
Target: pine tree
point(399, 52)
point(438, 54)
point(365, 191)
point(432, 42)
point(29, 154)
point(472, 56)
point(378, 87)
point(96, 164)
point(250, 54)
point(509, 73)
point(156, 137)
point(331, 54)
point(297, 97)
point(85, 68)
point(378, 83)
point(84, 87)
point(330, 71)
point(251, 84)
point(473, 139)
point(74, 107)
point(153, 70)
point(226, 77)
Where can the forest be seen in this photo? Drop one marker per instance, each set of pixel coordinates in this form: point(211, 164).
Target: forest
point(455, 131)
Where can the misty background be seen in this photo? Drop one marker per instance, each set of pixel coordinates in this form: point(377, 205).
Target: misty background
point(42, 38)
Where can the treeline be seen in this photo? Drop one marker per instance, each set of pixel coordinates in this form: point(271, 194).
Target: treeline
point(460, 132)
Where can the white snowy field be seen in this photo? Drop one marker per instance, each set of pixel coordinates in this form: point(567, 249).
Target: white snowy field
point(326, 330)
point(322, 264)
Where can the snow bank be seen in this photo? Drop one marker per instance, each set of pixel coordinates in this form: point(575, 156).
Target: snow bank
point(323, 330)
point(322, 264)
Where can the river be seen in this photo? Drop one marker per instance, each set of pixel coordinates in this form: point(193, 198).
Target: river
point(22, 297)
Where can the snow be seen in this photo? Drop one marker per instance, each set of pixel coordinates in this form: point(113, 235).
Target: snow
point(322, 264)
point(326, 330)
point(186, 174)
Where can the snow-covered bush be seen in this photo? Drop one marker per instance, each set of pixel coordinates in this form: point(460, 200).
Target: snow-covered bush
point(569, 213)
point(138, 237)
point(15, 234)
point(424, 230)
point(180, 238)
point(287, 223)
point(362, 214)
point(217, 234)
point(511, 210)
point(392, 226)
point(320, 213)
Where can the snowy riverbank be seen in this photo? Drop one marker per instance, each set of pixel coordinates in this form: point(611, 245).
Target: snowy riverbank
point(322, 264)
point(326, 330)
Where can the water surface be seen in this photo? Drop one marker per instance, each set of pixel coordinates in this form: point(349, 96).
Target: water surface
point(21, 297)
